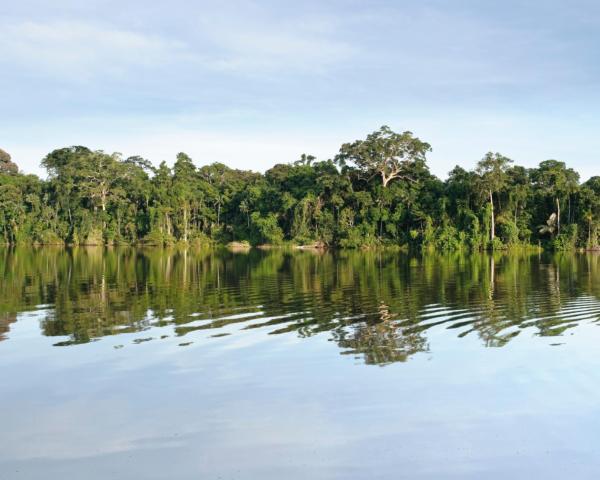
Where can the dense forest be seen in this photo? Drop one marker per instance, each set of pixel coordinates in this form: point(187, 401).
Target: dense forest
point(374, 192)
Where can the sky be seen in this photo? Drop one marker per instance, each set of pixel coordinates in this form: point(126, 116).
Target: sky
point(255, 83)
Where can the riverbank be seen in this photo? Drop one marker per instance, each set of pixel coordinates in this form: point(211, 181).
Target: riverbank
point(317, 246)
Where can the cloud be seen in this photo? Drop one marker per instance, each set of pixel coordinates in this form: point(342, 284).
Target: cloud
point(259, 46)
point(78, 50)
point(256, 50)
point(252, 83)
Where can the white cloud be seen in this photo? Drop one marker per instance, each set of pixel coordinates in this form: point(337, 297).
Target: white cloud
point(77, 50)
point(255, 44)
point(465, 79)
point(80, 50)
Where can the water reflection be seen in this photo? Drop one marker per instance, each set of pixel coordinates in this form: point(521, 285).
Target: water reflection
point(377, 306)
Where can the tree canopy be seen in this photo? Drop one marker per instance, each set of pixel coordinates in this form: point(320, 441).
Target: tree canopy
point(375, 191)
point(385, 153)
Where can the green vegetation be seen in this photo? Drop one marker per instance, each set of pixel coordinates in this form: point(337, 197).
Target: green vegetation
point(375, 192)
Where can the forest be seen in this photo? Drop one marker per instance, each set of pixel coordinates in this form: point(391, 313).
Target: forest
point(376, 192)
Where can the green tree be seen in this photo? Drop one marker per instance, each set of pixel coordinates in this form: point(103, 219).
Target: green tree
point(385, 153)
point(184, 179)
point(6, 164)
point(376, 191)
point(553, 179)
point(589, 200)
point(492, 172)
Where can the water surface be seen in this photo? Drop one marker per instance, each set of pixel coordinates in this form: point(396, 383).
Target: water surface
point(191, 364)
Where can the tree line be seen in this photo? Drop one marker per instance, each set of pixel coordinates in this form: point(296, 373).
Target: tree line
point(377, 191)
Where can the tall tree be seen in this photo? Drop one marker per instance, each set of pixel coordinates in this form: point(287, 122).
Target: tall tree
point(385, 153)
point(183, 188)
point(492, 171)
point(61, 165)
point(589, 199)
point(555, 180)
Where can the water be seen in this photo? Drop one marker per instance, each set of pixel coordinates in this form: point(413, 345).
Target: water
point(166, 364)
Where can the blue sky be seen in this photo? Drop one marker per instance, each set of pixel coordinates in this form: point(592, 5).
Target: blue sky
point(254, 83)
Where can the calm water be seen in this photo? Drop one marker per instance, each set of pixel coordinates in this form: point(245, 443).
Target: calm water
point(165, 364)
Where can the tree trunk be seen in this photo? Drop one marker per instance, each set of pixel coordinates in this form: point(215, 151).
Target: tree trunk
point(493, 225)
point(558, 215)
point(185, 224)
point(103, 195)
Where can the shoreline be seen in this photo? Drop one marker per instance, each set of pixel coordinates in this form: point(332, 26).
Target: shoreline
point(243, 246)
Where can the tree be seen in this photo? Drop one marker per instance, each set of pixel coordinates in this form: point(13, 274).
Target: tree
point(305, 160)
point(376, 191)
point(6, 164)
point(384, 153)
point(492, 171)
point(268, 228)
point(161, 204)
point(62, 171)
point(11, 211)
point(553, 179)
point(183, 188)
point(589, 200)
point(135, 181)
point(97, 176)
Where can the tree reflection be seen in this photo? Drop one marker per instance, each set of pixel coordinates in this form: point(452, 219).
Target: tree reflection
point(378, 306)
point(5, 320)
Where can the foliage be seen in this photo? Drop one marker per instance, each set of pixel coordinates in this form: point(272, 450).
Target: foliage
point(375, 192)
point(566, 240)
point(7, 166)
point(385, 153)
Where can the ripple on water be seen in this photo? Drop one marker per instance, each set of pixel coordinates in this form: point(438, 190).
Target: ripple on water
point(379, 306)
